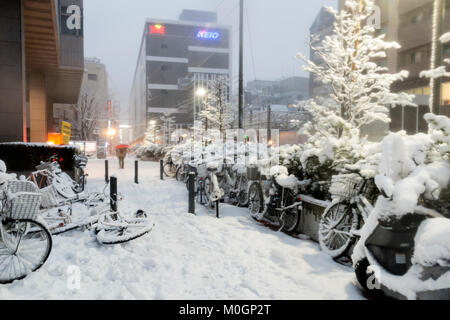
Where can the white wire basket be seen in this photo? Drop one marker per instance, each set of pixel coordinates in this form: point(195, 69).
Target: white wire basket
point(49, 197)
point(23, 200)
point(345, 186)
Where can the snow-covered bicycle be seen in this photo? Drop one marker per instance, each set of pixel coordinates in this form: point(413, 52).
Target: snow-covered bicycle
point(341, 222)
point(276, 200)
point(25, 242)
point(109, 227)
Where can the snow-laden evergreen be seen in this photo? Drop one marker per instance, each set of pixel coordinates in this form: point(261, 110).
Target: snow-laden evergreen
point(360, 88)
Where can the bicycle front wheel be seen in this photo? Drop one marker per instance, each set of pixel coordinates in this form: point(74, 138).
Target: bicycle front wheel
point(180, 174)
point(24, 247)
point(169, 170)
point(291, 217)
point(133, 229)
point(335, 229)
point(255, 199)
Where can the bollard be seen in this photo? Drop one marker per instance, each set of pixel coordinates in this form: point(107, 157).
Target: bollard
point(191, 193)
point(217, 209)
point(106, 172)
point(161, 169)
point(136, 172)
point(113, 194)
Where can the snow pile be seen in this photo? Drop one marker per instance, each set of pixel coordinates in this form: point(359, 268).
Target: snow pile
point(278, 170)
point(185, 257)
point(432, 243)
point(2, 166)
point(445, 38)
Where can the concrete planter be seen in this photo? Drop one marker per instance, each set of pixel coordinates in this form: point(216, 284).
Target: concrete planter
point(312, 210)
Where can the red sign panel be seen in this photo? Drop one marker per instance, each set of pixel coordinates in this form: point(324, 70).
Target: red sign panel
point(157, 29)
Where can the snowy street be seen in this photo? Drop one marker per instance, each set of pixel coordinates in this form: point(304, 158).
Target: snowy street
point(185, 256)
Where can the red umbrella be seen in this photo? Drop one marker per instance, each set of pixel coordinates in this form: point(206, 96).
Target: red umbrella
point(122, 146)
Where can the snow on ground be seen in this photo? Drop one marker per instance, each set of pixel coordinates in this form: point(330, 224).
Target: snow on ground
point(185, 256)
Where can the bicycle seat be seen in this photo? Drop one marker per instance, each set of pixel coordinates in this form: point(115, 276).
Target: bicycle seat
point(212, 167)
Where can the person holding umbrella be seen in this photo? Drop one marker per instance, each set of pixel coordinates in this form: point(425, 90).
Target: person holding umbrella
point(121, 153)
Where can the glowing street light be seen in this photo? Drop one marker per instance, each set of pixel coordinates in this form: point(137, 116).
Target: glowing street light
point(201, 92)
point(111, 132)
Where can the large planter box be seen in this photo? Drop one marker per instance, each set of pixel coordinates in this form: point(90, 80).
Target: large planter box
point(22, 158)
point(312, 210)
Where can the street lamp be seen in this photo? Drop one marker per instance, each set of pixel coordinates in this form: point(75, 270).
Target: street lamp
point(201, 92)
point(111, 132)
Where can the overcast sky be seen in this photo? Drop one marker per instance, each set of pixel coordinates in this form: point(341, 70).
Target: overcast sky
point(275, 31)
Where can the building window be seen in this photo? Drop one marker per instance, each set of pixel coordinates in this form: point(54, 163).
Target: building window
point(164, 92)
point(446, 94)
point(164, 68)
point(417, 17)
point(92, 77)
point(415, 57)
point(164, 46)
point(447, 49)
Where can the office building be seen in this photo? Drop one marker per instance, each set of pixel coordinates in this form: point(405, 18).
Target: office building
point(176, 58)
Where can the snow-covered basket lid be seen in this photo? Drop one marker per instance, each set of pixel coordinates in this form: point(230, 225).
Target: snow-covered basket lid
point(278, 170)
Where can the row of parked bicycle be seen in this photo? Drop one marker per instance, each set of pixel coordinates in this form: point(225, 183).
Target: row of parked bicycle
point(47, 203)
point(278, 198)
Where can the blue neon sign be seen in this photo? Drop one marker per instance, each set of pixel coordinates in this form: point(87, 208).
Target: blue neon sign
point(208, 35)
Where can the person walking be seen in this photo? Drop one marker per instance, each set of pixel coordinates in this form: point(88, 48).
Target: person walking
point(121, 153)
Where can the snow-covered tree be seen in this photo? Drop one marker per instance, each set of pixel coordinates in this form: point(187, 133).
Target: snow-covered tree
point(152, 133)
point(436, 72)
point(360, 88)
point(88, 113)
point(217, 112)
point(168, 125)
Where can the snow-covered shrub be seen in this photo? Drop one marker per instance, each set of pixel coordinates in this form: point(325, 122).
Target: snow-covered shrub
point(151, 152)
point(439, 151)
point(290, 158)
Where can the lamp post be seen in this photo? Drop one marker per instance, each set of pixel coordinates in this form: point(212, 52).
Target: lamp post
point(111, 133)
point(201, 93)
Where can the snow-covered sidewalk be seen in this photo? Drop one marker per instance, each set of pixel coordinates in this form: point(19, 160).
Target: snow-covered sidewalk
point(185, 256)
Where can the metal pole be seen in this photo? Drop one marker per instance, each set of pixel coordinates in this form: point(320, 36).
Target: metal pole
point(269, 125)
point(136, 172)
point(106, 172)
point(191, 192)
point(217, 209)
point(161, 169)
point(241, 65)
point(113, 194)
point(436, 55)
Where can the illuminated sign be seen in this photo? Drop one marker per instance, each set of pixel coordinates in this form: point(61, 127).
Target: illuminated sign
point(157, 29)
point(208, 35)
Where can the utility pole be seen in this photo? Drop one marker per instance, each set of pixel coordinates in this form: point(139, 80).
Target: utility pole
point(436, 55)
point(241, 65)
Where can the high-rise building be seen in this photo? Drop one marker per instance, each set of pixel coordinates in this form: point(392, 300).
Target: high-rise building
point(176, 58)
point(41, 63)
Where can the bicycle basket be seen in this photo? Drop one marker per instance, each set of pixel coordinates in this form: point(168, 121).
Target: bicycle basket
point(49, 197)
point(23, 205)
point(16, 186)
point(253, 173)
point(345, 185)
